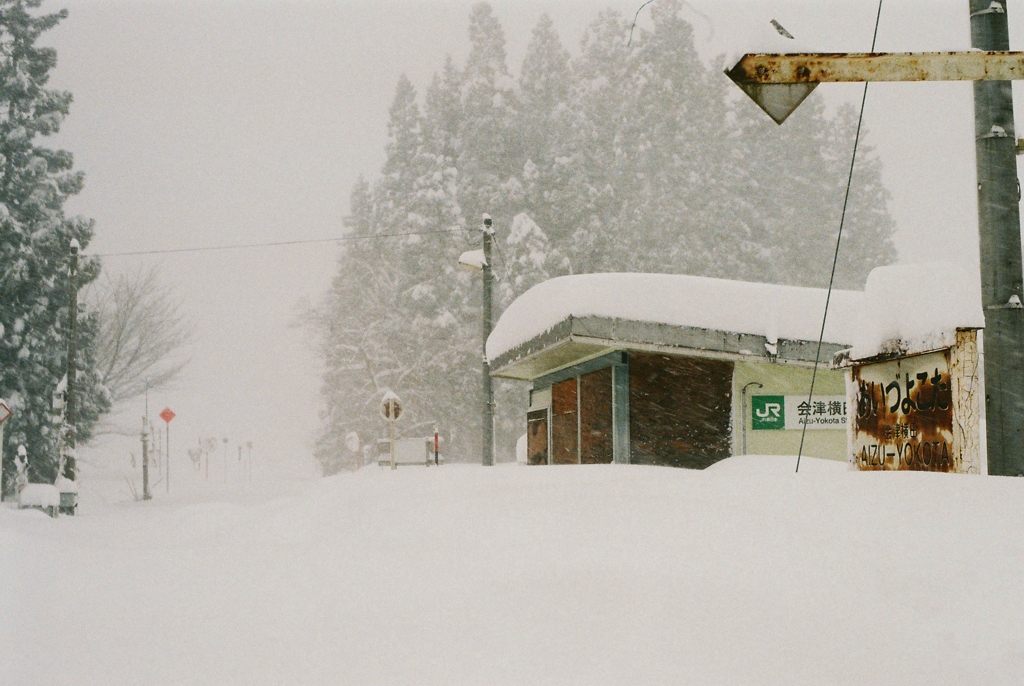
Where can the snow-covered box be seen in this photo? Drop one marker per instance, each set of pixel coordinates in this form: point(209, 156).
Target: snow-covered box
point(913, 372)
point(673, 369)
point(45, 497)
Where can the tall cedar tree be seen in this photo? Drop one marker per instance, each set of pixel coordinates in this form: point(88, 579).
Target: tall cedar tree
point(34, 247)
point(626, 158)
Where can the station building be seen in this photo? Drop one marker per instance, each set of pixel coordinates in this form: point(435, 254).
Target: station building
point(675, 370)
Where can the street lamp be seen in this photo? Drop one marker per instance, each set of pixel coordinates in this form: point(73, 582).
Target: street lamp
point(480, 260)
point(743, 411)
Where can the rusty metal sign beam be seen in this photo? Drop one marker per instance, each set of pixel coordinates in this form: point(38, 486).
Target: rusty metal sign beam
point(880, 66)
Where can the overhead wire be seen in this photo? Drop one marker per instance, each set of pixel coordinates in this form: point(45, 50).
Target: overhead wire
point(504, 264)
point(835, 257)
point(272, 244)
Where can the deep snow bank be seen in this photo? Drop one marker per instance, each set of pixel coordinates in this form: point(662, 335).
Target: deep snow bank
point(745, 573)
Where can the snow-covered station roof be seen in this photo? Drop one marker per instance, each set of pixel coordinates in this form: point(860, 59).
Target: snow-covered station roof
point(572, 319)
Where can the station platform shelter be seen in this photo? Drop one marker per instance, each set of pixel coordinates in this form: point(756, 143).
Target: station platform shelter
point(675, 370)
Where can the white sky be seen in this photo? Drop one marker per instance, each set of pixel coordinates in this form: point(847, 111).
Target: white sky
point(210, 123)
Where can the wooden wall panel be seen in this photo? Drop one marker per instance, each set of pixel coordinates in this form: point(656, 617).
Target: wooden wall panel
point(537, 437)
point(680, 410)
point(564, 427)
point(596, 417)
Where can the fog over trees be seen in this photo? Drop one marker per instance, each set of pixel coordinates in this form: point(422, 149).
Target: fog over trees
point(628, 157)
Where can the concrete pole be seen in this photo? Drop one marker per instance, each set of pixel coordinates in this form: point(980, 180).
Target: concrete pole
point(68, 438)
point(1002, 285)
point(145, 460)
point(488, 418)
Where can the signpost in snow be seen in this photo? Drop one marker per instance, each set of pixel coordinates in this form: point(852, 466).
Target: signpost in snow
point(778, 83)
point(391, 410)
point(5, 414)
point(167, 415)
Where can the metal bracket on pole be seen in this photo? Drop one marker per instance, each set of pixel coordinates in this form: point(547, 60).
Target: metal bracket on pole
point(779, 83)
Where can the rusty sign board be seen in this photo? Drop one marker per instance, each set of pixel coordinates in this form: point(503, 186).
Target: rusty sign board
point(904, 415)
point(779, 83)
point(973, 65)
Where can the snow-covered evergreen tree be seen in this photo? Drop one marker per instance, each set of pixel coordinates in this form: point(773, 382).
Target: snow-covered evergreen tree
point(545, 83)
point(35, 181)
point(628, 157)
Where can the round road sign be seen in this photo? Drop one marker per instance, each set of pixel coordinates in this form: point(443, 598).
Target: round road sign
point(391, 407)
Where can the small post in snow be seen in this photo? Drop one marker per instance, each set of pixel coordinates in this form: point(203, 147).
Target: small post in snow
point(167, 414)
point(391, 410)
point(436, 462)
point(5, 413)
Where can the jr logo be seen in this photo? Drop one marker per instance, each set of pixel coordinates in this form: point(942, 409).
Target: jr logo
point(768, 412)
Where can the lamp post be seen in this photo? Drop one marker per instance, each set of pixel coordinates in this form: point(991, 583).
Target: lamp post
point(743, 411)
point(480, 260)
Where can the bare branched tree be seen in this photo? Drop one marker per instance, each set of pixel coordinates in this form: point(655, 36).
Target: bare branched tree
point(142, 333)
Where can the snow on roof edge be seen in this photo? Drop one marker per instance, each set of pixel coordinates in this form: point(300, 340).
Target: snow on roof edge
point(771, 310)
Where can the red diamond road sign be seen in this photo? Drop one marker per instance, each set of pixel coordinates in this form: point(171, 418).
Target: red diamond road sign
point(5, 412)
point(167, 415)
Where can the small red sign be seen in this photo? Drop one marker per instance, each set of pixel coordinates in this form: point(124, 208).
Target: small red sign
point(167, 415)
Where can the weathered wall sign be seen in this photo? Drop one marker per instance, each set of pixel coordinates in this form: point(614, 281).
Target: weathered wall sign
point(918, 412)
point(904, 414)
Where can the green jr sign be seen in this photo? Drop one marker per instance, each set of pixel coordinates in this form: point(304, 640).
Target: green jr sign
point(768, 412)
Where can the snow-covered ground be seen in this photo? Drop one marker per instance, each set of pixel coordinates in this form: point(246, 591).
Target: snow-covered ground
point(742, 574)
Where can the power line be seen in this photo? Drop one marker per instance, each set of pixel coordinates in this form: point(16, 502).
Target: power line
point(274, 244)
point(504, 264)
point(630, 42)
point(839, 238)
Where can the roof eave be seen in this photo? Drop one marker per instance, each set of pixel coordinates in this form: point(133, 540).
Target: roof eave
point(575, 340)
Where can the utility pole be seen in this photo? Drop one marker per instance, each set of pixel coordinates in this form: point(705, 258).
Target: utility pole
point(999, 228)
point(488, 419)
point(145, 460)
point(66, 458)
